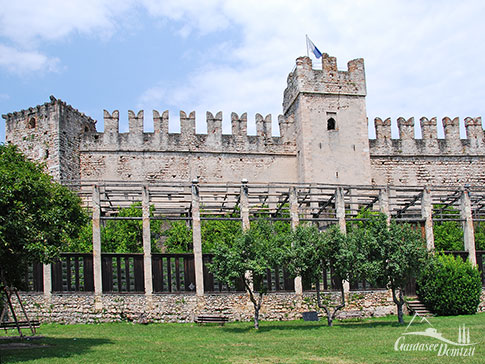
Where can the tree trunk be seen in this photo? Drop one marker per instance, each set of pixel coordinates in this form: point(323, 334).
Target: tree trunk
point(399, 303)
point(330, 316)
point(256, 317)
point(329, 319)
point(400, 314)
point(256, 304)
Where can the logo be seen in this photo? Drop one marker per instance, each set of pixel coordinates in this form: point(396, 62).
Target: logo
point(438, 343)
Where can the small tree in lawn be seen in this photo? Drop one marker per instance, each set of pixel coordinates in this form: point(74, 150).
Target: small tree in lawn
point(393, 254)
point(248, 257)
point(314, 252)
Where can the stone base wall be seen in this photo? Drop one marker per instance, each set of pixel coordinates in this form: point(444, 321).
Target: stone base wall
point(481, 306)
point(86, 308)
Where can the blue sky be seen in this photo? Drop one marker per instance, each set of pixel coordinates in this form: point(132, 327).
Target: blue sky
point(422, 58)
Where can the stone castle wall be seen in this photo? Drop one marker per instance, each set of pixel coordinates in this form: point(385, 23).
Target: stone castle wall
point(73, 308)
point(81, 308)
point(305, 151)
point(164, 156)
point(429, 160)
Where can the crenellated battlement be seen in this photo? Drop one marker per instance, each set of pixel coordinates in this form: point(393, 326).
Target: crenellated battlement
point(433, 140)
point(327, 81)
point(50, 133)
point(188, 140)
point(46, 108)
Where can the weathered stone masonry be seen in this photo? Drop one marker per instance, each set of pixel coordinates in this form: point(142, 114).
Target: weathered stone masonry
point(52, 134)
point(429, 160)
point(80, 308)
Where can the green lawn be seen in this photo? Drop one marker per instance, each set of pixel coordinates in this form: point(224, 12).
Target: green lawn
point(366, 341)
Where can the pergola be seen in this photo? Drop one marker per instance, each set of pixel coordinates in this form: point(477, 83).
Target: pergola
point(322, 204)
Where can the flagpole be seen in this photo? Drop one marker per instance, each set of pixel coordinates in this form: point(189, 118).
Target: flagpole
point(306, 41)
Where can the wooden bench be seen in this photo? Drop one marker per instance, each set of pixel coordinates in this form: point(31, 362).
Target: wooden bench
point(211, 320)
point(22, 324)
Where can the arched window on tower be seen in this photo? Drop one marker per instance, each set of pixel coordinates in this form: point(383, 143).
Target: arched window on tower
point(331, 124)
point(31, 123)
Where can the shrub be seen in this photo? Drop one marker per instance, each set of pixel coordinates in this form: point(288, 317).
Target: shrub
point(449, 286)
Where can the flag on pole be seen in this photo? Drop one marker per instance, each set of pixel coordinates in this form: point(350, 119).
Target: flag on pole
point(311, 47)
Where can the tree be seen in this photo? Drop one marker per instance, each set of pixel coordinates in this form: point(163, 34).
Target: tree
point(126, 236)
point(248, 257)
point(217, 232)
point(37, 215)
point(178, 237)
point(82, 242)
point(214, 232)
point(117, 236)
point(392, 253)
point(448, 235)
point(480, 236)
point(314, 252)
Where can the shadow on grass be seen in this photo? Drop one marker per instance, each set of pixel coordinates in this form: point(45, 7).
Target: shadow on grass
point(281, 326)
point(364, 324)
point(264, 327)
point(48, 348)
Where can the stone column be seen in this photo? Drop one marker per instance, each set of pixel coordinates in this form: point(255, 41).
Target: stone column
point(340, 209)
point(427, 214)
point(147, 241)
point(384, 208)
point(468, 230)
point(244, 204)
point(197, 240)
point(340, 212)
point(98, 282)
point(47, 281)
point(295, 221)
point(384, 203)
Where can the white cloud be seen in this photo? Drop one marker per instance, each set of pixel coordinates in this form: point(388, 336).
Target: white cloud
point(20, 62)
point(220, 89)
point(194, 15)
point(422, 58)
point(27, 22)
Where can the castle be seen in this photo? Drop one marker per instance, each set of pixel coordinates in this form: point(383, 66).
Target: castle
point(322, 168)
point(323, 138)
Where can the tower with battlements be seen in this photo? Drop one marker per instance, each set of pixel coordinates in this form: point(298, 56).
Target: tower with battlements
point(327, 108)
point(50, 133)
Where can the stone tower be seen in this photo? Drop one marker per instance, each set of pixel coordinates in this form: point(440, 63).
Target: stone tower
point(50, 133)
point(327, 107)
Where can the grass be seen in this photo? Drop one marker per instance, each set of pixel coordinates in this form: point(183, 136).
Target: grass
point(365, 341)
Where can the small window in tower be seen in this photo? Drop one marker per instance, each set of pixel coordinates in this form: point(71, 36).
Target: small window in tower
point(31, 123)
point(331, 124)
point(86, 129)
